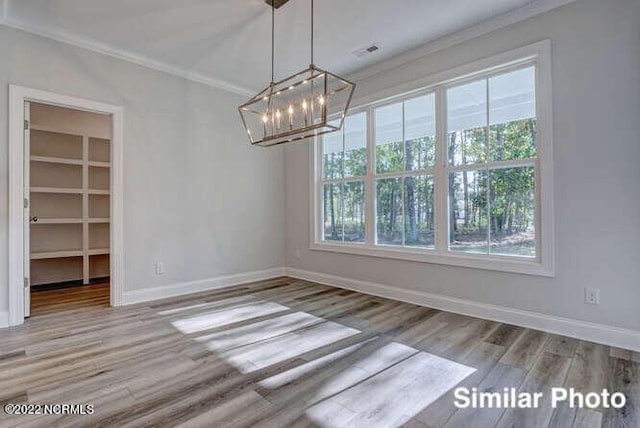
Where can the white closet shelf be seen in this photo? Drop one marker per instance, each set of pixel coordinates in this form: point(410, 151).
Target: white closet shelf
point(55, 130)
point(58, 221)
point(68, 190)
point(100, 164)
point(98, 251)
point(56, 254)
point(70, 220)
point(68, 253)
point(55, 190)
point(99, 192)
point(49, 159)
point(76, 163)
point(100, 220)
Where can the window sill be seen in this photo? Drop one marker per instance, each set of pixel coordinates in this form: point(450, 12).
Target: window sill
point(469, 260)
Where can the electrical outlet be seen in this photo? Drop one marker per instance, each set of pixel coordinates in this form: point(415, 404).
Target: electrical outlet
point(159, 268)
point(592, 296)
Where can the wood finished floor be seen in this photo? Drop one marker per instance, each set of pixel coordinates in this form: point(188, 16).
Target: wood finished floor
point(287, 352)
point(64, 299)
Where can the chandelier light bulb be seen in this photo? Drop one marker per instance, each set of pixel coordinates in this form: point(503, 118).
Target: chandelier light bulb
point(290, 116)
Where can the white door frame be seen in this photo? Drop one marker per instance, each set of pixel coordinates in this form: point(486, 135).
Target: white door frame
point(18, 95)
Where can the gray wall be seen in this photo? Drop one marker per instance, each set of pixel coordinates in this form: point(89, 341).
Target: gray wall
point(596, 135)
point(196, 195)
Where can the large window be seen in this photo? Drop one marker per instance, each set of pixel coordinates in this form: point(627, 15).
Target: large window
point(344, 166)
point(491, 156)
point(405, 147)
point(453, 173)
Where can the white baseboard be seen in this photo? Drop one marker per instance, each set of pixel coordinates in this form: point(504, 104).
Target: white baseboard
point(599, 333)
point(148, 294)
point(4, 319)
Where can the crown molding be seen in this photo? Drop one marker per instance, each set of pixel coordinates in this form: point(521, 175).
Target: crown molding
point(124, 55)
point(528, 11)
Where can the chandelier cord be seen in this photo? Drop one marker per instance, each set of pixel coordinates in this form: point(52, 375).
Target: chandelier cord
point(273, 43)
point(311, 32)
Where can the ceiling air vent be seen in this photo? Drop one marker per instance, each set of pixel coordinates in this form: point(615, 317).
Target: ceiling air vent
point(366, 51)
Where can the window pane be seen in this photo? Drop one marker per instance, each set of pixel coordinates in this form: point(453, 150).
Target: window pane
point(388, 137)
point(468, 211)
point(512, 211)
point(420, 130)
point(353, 205)
point(466, 123)
point(332, 212)
point(389, 207)
point(512, 115)
point(418, 210)
point(332, 154)
point(355, 145)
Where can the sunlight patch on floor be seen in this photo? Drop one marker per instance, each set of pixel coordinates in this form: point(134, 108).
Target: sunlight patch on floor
point(183, 309)
point(374, 382)
point(292, 375)
point(238, 300)
point(390, 397)
point(226, 316)
point(259, 331)
point(278, 349)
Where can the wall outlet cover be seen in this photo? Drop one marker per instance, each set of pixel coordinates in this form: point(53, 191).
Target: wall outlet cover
point(159, 268)
point(592, 296)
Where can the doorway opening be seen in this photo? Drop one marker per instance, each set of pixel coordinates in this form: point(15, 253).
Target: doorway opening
point(65, 183)
point(69, 186)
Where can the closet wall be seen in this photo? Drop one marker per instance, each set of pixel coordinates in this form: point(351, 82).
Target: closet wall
point(70, 194)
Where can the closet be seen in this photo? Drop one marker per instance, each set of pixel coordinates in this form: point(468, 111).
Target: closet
point(69, 187)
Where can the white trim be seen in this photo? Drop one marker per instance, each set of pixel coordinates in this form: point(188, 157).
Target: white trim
point(528, 11)
point(179, 289)
point(457, 75)
point(513, 264)
point(18, 95)
point(4, 319)
point(599, 333)
point(128, 56)
point(116, 258)
point(85, 209)
point(5, 10)
point(536, 54)
point(545, 181)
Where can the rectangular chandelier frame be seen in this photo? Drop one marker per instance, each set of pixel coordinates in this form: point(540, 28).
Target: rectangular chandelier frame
point(296, 107)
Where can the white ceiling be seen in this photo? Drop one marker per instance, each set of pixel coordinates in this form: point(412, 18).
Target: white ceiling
point(227, 42)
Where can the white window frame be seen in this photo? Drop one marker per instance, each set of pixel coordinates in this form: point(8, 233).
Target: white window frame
point(538, 55)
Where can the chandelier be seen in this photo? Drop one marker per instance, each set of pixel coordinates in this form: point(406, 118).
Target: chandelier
point(297, 106)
